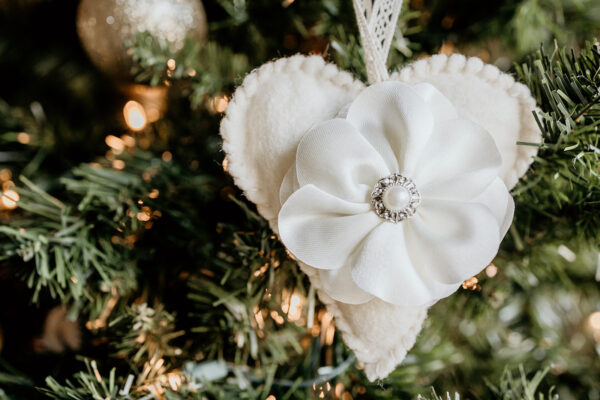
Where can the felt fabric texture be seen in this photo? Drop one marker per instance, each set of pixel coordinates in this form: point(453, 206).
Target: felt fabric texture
point(282, 100)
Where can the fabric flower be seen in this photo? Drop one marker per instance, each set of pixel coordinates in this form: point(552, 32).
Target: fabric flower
point(399, 200)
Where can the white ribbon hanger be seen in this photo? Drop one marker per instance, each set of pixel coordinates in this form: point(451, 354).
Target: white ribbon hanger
point(377, 23)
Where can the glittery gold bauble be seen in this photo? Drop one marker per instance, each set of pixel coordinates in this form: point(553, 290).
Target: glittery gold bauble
point(105, 26)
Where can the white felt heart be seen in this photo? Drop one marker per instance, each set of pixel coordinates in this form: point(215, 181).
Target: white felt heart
point(269, 113)
point(279, 102)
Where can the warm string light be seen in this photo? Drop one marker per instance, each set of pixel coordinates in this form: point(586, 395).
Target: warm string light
point(23, 138)
point(145, 214)
point(117, 146)
point(151, 101)
point(118, 164)
point(5, 174)
point(277, 318)
point(491, 271)
point(471, 284)
point(260, 321)
point(9, 200)
point(322, 390)
point(339, 389)
point(135, 116)
point(340, 393)
point(593, 322)
point(292, 305)
point(127, 241)
point(167, 156)
point(8, 196)
point(295, 310)
point(261, 271)
point(218, 104)
point(171, 64)
point(327, 327)
point(221, 103)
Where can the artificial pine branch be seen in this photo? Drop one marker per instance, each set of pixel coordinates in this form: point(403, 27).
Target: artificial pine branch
point(562, 189)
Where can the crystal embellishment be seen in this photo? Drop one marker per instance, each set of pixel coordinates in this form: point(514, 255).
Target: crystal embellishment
point(395, 198)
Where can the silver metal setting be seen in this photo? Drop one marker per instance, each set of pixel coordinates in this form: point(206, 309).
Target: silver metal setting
point(395, 215)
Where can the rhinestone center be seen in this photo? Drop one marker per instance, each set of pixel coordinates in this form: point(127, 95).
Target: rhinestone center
point(395, 198)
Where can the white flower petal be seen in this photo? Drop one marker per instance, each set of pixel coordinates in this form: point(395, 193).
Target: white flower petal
point(450, 241)
point(498, 199)
point(396, 121)
point(383, 268)
point(336, 158)
point(459, 162)
point(442, 108)
point(322, 230)
point(338, 284)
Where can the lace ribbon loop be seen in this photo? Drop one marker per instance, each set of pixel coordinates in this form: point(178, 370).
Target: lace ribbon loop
point(376, 21)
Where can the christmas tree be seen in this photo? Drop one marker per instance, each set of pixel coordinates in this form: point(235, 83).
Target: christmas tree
point(131, 267)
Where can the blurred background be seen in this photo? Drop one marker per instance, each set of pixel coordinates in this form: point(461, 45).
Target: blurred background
point(132, 268)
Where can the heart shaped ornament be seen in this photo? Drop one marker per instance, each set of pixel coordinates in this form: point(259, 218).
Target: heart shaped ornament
point(388, 195)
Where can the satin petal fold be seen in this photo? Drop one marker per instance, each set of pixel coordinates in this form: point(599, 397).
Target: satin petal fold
point(462, 160)
point(322, 230)
point(340, 286)
point(441, 107)
point(396, 121)
point(498, 199)
point(336, 158)
point(289, 184)
point(382, 267)
point(451, 241)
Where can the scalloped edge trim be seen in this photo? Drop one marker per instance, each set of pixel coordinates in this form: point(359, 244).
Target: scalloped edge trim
point(233, 124)
point(384, 364)
point(439, 64)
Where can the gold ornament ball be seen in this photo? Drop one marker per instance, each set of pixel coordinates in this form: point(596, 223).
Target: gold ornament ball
point(105, 26)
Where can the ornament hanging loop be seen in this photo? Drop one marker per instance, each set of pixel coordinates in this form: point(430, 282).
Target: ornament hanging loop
point(376, 21)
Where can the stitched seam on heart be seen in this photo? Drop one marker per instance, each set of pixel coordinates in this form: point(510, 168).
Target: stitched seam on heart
point(459, 64)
